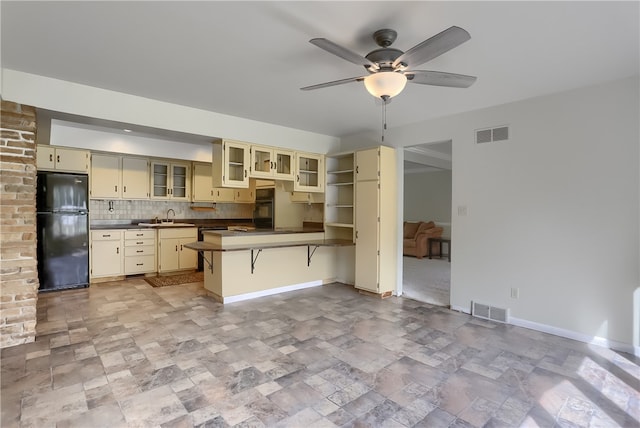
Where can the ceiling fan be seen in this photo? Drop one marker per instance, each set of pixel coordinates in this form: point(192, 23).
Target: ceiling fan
point(390, 69)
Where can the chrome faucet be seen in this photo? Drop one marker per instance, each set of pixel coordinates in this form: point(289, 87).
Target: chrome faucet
point(174, 214)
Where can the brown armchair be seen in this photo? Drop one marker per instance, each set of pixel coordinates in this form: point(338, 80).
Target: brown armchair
point(415, 238)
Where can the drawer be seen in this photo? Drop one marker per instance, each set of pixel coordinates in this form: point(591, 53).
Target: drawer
point(139, 251)
point(106, 235)
point(138, 234)
point(140, 242)
point(140, 264)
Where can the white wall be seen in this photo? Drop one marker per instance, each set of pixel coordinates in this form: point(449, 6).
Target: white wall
point(72, 98)
point(427, 196)
point(553, 212)
point(68, 134)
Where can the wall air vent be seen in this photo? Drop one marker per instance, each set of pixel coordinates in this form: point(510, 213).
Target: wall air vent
point(489, 312)
point(489, 135)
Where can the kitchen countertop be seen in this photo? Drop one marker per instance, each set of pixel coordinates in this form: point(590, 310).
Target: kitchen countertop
point(278, 231)
point(133, 224)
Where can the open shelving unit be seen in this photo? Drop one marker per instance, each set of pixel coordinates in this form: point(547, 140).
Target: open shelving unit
point(340, 196)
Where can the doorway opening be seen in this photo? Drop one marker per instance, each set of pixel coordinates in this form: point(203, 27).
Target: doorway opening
point(427, 198)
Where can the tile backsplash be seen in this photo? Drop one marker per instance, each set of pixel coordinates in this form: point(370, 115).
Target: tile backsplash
point(128, 209)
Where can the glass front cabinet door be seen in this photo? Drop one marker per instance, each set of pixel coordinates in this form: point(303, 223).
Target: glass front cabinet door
point(230, 164)
point(271, 162)
point(309, 173)
point(170, 180)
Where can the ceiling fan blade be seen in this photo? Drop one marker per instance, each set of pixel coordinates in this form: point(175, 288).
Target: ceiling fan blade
point(433, 47)
point(343, 52)
point(439, 78)
point(333, 83)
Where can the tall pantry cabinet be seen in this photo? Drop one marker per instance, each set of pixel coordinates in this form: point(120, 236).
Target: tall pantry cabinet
point(376, 225)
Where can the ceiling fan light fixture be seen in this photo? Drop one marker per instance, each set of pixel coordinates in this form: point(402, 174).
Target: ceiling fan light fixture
point(385, 84)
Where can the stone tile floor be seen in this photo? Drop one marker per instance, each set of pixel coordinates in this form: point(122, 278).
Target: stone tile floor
point(126, 354)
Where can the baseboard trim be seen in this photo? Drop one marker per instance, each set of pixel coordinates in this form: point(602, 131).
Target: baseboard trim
point(580, 337)
point(271, 291)
point(568, 334)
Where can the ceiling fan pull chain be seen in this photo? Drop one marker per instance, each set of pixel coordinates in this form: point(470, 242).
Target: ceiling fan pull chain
point(384, 115)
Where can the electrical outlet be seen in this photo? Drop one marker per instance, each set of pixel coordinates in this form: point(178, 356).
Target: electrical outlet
point(515, 293)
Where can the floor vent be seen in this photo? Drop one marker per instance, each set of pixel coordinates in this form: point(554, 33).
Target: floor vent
point(489, 312)
point(490, 135)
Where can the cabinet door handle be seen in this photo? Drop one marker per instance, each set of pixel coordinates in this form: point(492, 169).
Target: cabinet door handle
point(51, 157)
point(245, 173)
point(116, 188)
point(356, 169)
point(117, 250)
point(58, 158)
point(139, 234)
point(211, 192)
point(106, 236)
point(275, 165)
point(124, 189)
point(139, 242)
point(139, 251)
point(356, 234)
point(298, 178)
point(176, 248)
point(139, 264)
point(180, 247)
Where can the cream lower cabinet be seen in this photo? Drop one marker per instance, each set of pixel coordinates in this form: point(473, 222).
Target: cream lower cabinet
point(106, 253)
point(376, 228)
point(172, 255)
point(139, 251)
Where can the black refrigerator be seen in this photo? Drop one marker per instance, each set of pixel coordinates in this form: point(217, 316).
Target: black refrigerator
point(63, 230)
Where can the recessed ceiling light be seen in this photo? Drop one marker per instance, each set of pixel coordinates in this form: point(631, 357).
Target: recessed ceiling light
point(126, 130)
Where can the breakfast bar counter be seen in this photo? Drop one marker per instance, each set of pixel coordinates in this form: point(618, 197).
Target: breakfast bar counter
point(249, 264)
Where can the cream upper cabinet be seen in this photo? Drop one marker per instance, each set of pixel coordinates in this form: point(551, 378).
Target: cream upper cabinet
point(223, 194)
point(244, 195)
point(105, 176)
point(309, 172)
point(62, 159)
point(202, 183)
point(376, 225)
point(114, 177)
point(170, 180)
point(135, 178)
point(367, 165)
point(231, 160)
point(271, 162)
point(45, 157)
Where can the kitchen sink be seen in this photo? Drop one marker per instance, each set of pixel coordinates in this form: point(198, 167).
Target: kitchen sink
point(166, 224)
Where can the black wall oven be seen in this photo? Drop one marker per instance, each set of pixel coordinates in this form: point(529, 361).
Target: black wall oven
point(201, 238)
point(263, 213)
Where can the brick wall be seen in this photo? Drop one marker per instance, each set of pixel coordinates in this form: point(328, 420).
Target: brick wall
point(18, 263)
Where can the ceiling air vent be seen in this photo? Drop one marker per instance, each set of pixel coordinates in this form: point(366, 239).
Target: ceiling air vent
point(489, 135)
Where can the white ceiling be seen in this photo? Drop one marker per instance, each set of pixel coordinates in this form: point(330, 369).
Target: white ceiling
point(249, 59)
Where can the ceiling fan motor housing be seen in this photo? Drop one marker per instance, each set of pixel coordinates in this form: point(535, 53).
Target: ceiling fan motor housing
point(384, 57)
